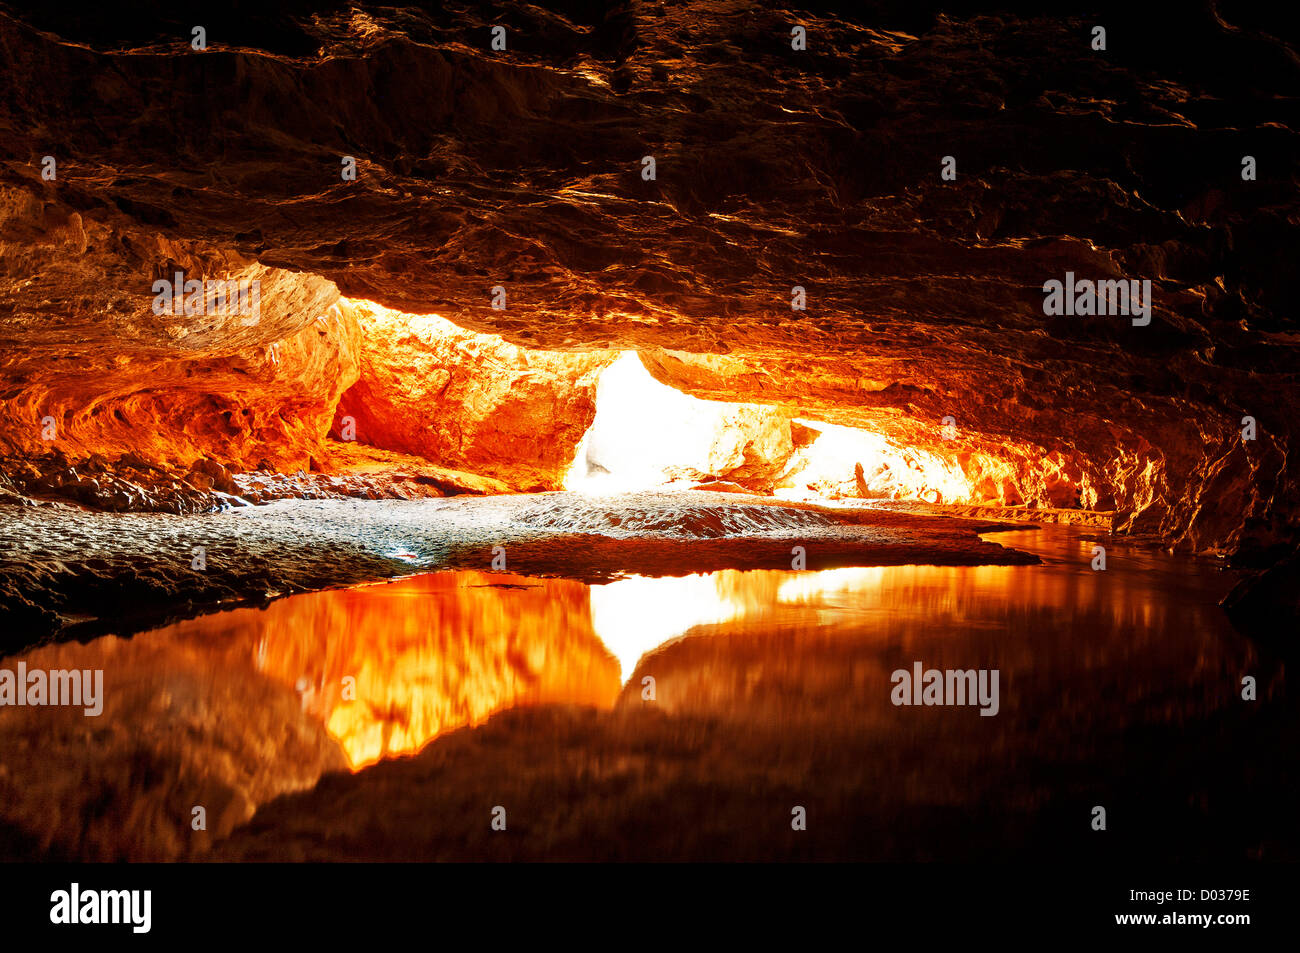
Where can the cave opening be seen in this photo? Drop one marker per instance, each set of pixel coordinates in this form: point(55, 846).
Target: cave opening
point(647, 435)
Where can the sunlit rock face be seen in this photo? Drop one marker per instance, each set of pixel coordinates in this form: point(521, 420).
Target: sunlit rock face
point(774, 168)
point(90, 367)
point(469, 401)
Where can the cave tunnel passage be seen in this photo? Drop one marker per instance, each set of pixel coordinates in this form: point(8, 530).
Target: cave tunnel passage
point(647, 435)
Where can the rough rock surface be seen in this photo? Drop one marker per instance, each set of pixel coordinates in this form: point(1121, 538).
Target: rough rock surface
point(469, 401)
point(134, 485)
point(88, 367)
point(774, 168)
point(68, 572)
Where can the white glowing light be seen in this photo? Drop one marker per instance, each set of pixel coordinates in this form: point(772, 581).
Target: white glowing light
point(647, 435)
point(638, 615)
point(802, 588)
point(633, 616)
point(642, 430)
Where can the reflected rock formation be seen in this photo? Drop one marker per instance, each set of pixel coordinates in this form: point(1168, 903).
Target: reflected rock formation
point(228, 711)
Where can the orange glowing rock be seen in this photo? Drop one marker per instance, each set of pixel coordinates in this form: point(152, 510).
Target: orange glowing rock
point(453, 649)
point(469, 401)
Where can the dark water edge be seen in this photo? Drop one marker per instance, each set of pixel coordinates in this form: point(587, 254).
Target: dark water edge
point(1119, 689)
point(71, 574)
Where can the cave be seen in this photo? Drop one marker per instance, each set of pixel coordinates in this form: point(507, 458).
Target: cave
point(386, 398)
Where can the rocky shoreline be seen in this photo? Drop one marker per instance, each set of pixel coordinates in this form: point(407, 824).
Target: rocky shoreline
point(69, 572)
point(132, 484)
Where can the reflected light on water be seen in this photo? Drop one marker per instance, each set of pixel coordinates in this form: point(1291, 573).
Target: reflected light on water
point(633, 616)
point(434, 653)
point(387, 668)
point(637, 615)
point(766, 681)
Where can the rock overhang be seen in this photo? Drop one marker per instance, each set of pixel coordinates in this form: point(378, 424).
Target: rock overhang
point(522, 169)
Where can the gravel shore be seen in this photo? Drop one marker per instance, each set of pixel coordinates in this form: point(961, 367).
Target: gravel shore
point(72, 573)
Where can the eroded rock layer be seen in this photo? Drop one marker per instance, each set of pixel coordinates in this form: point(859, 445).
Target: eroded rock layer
point(90, 366)
point(467, 400)
point(522, 169)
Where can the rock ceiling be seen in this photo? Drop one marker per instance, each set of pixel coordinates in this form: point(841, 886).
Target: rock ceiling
point(773, 168)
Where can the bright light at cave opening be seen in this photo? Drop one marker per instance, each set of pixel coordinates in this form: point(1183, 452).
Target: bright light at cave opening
point(647, 435)
point(845, 462)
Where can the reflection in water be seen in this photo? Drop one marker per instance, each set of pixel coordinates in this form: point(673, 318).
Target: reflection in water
point(389, 667)
point(633, 616)
point(386, 668)
point(1143, 596)
point(1145, 631)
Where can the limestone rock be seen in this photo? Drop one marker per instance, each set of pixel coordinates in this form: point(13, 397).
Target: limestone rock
point(775, 169)
point(469, 401)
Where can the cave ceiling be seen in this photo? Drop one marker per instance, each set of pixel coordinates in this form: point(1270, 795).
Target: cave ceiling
point(524, 169)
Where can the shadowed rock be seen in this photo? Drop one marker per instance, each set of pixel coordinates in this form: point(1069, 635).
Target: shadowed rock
point(775, 168)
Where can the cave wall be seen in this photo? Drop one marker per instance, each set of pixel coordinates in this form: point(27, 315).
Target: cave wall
point(466, 400)
point(522, 169)
point(1164, 466)
point(88, 367)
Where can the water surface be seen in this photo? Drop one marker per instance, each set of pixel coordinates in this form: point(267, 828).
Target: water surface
point(1102, 676)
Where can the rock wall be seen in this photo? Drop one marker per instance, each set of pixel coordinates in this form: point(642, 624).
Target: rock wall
point(774, 169)
point(89, 367)
point(468, 401)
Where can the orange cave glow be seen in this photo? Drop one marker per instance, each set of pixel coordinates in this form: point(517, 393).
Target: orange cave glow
point(647, 435)
point(413, 659)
